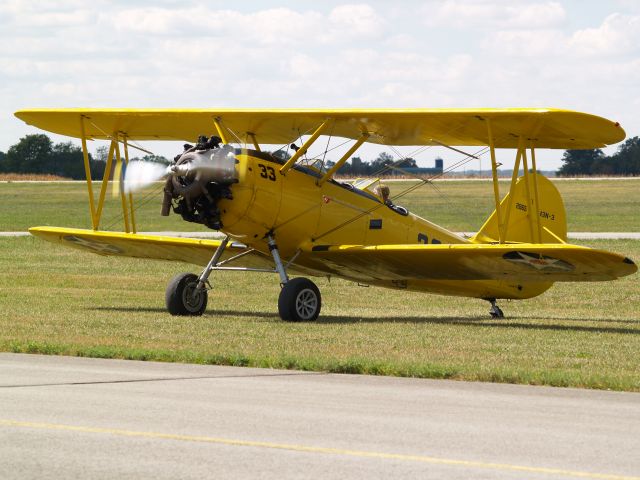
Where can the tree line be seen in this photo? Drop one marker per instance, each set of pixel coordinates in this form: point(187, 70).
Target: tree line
point(383, 164)
point(625, 161)
point(37, 154)
point(40, 155)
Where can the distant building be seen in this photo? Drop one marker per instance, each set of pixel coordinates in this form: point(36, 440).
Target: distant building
point(418, 171)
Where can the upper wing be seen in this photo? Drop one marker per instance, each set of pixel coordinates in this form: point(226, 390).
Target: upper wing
point(547, 128)
point(515, 262)
point(190, 250)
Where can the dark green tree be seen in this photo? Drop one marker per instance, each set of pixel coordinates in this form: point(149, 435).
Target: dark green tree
point(67, 161)
point(38, 154)
point(580, 162)
point(407, 163)
point(102, 153)
point(32, 154)
point(381, 162)
point(626, 161)
point(3, 161)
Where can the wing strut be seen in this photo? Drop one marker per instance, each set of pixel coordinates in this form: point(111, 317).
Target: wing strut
point(114, 151)
point(256, 145)
point(345, 157)
point(87, 172)
point(536, 200)
point(305, 146)
point(531, 192)
point(514, 178)
point(494, 173)
point(531, 211)
point(530, 179)
point(115, 182)
point(223, 137)
point(131, 209)
point(105, 181)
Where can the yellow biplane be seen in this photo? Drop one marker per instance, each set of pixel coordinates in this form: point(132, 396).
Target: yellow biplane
point(288, 216)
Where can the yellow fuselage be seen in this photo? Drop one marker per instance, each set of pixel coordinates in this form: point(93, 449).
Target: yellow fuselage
point(303, 215)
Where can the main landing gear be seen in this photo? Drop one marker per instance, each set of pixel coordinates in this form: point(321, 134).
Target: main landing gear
point(299, 299)
point(183, 297)
point(495, 311)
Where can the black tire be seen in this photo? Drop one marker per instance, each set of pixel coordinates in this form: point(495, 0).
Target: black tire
point(299, 301)
point(179, 296)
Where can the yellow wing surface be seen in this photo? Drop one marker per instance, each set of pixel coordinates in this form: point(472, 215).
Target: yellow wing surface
point(546, 128)
point(512, 262)
point(189, 250)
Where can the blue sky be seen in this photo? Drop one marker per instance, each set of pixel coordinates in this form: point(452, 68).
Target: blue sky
point(581, 55)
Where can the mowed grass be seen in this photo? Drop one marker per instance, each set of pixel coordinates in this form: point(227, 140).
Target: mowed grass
point(66, 204)
point(61, 301)
point(592, 206)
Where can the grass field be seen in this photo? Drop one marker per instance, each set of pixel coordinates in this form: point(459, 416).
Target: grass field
point(60, 301)
point(592, 206)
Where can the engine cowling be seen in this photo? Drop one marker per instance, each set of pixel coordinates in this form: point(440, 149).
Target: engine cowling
point(199, 179)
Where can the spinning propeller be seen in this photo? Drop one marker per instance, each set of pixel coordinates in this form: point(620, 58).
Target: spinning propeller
point(216, 165)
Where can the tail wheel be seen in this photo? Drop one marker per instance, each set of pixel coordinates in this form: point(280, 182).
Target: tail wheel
point(299, 301)
point(183, 297)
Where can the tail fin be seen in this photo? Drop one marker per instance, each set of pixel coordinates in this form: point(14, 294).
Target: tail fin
point(548, 225)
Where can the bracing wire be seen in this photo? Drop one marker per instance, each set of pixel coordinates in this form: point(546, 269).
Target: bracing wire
point(288, 144)
point(326, 148)
point(232, 132)
point(458, 164)
point(151, 195)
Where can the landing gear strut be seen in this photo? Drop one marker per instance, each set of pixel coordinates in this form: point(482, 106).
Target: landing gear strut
point(495, 311)
point(299, 299)
point(187, 292)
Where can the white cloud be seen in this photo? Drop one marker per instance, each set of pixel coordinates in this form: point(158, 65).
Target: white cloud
point(358, 19)
point(494, 14)
point(618, 35)
point(264, 27)
point(526, 43)
point(194, 54)
point(272, 26)
point(301, 65)
point(38, 17)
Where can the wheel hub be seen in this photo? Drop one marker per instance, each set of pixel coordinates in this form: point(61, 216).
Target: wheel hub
point(192, 297)
point(306, 303)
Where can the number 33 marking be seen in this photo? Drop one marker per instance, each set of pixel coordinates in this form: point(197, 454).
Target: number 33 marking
point(267, 172)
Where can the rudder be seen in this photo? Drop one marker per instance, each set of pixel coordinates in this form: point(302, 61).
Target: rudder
point(548, 226)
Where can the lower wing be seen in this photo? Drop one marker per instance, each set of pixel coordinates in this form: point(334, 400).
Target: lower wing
point(512, 262)
point(189, 250)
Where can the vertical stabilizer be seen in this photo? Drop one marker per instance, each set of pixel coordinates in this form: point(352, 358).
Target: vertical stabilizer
point(521, 221)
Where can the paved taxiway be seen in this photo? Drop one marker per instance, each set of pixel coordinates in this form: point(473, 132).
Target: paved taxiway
point(68, 418)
